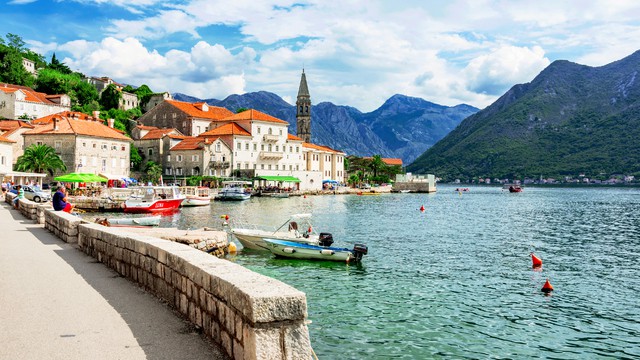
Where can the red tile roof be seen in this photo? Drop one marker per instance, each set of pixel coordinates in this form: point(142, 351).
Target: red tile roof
point(195, 110)
point(293, 137)
point(77, 127)
point(4, 139)
point(388, 161)
point(62, 115)
point(156, 133)
point(320, 147)
point(30, 94)
point(255, 115)
point(145, 127)
point(192, 143)
point(7, 125)
point(226, 129)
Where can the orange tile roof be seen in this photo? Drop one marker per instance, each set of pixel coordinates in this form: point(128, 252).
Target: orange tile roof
point(63, 114)
point(145, 127)
point(4, 139)
point(388, 161)
point(226, 129)
point(30, 94)
point(255, 115)
point(195, 110)
point(293, 137)
point(78, 127)
point(192, 143)
point(14, 124)
point(320, 147)
point(158, 133)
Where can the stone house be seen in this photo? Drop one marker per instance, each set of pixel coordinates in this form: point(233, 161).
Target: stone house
point(13, 130)
point(30, 66)
point(83, 143)
point(191, 119)
point(156, 99)
point(154, 143)
point(128, 100)
point(21, 101)
point(195, 156)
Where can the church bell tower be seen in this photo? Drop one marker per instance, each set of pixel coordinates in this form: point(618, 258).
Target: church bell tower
point(303, 110)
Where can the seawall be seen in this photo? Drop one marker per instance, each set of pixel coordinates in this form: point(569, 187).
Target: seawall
point(249, 315)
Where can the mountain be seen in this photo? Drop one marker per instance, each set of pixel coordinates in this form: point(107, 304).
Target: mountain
point(570, 119)
point(403, 127)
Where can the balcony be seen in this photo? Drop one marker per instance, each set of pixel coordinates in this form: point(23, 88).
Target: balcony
point(269, 138)
point(220, 164)
point(270, 155)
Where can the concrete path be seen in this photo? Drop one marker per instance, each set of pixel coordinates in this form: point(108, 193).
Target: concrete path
point(58, 303)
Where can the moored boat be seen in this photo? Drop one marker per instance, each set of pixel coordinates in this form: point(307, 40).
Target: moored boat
point(154, 199)
point(290, 249)
point(289, 231)
point(233, 191)
point(196, 196)
point(515, 189)
point(130, 222)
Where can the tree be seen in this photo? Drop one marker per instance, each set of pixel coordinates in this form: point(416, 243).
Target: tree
point(16, 42)
point(110, 98)
point(135, 157)
point(353, 180)
point(40, 159)
point(241, 109)
point(59, 66)
point(376, 164)
point(11, 69)
point(144, 95)
point(153, 171)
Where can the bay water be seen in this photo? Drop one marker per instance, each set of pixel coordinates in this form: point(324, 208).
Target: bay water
point(456, 280)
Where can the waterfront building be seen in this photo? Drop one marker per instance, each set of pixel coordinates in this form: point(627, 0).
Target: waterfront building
point(13, 130)
point(154, 143)
point(6, 156)
point(83, 143)
point(191, 119)
point(303, 110)
point(24, 102)
point(193, 156)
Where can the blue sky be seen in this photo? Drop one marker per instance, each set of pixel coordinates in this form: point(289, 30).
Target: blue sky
point(354, 52)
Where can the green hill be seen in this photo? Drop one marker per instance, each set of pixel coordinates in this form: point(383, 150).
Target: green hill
point(570, 119)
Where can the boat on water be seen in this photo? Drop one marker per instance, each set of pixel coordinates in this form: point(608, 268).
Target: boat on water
point(367, 193)
point(322, 251)
point(297, 228)
point(130, 222)
point(233, 191)
point(462, 190)
point(404, 191)
point(515, 189)
point(277, 195)
point(154, 199)
point(195, 196)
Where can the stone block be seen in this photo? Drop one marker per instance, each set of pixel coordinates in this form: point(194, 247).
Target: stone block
point(297, 344)
point(238, 350)
point(226, 342)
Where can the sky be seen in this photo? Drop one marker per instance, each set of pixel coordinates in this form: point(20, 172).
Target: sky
point(354, 52)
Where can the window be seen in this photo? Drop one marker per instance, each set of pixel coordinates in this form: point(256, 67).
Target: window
point(277, 148)
point(122, 148)
point(269, 147)
point(255, 147)
point(38, 142)
point(197, 131)
point(84, 144)
point(179, 171)
point(168, 171)
point(290, 148)
point(104, 146)
point(168, 158)
point(174, 115)
point(262, 147)
point(114, 147)
point(195, 171)
point(211, 172)
point(104, 164)
point(280, 132)
point(2, 160)
point(58, 144)
point(239, 147)
point(297, 149)
point(290, 167)
point(246, 146)
point(258, 129)
point(150, 151)
point(297, 167)
point(262, 166)
point(255, 166)
point(238, 166)
point(94, 145)
point(269, 166)
point(218, 147)
point(270, 131)
point(195, 157)
point(178, 157)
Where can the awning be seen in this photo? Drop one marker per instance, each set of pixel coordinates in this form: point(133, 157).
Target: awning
point(278, 178)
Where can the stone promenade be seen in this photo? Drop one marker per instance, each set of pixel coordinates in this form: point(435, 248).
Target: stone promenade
point(58, 303)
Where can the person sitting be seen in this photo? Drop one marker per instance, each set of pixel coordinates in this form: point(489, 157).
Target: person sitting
point(59, 200)
point(19, 197)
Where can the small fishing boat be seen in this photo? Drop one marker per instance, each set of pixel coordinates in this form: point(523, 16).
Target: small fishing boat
point(130, 222)
point(233, 191)
point(462, 190)
point(404, 191)
point(154, 199)
point(515, 189)
point(288, 231)
point(195, 196)
point(367, 193)
point(323, 251)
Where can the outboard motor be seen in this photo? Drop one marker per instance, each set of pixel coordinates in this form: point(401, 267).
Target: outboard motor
point(325, 239)
point(359, 250)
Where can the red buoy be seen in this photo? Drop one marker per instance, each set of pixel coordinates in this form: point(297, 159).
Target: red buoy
point(226, 217)
point(547, 288)
point(422, 208)
point(537, 262)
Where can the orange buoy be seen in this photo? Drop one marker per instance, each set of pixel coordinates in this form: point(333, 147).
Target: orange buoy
point(547, 288)
point(226, 217)
point(309, 230)
point(422, 208)
point(537, 262)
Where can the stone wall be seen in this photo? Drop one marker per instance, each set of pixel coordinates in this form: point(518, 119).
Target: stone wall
point(249, 315)
point(33, 210)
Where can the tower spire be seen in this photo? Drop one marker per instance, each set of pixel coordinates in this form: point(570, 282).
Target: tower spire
point(303, 109)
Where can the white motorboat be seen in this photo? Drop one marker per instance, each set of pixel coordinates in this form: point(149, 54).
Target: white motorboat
point(233, 191)
point(295, 250)
point(196, 196)
point(297, 229)
point(130, 221)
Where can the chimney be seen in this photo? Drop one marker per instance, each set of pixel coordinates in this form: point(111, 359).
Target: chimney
point(55, 123)
point(96, 115)
point(110, 122)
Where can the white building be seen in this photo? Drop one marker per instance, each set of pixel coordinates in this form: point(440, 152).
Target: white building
point(21, 101)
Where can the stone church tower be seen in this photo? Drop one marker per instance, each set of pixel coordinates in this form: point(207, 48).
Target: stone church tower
point(303, 112)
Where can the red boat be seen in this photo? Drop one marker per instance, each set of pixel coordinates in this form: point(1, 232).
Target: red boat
point(154, 199)
point(515, 188)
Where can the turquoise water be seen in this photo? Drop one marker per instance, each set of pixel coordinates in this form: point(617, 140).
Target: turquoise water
point(456, 281)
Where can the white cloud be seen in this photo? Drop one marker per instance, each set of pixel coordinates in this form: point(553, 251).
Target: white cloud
point(20, 2)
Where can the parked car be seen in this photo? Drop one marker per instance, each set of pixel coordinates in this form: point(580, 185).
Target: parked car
point(33, 193)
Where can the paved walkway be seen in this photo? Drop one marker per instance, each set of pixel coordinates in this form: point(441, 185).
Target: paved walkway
point(58, 303)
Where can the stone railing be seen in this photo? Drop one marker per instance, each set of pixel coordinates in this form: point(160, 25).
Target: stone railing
point(33, 210)
point(249, 315)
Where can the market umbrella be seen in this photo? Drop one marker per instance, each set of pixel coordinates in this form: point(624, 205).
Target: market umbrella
point(80, 177)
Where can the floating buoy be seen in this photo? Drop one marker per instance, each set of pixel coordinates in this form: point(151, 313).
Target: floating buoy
point(537, 262)
point(422, 208)
point(547, 288)
point(226, 218)
point(232, 248)
point(309, 230)
point(305, 196)
point(222, 216)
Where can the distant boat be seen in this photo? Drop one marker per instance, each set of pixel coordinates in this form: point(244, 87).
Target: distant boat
point(196, 196)
point(367, 193)
point(295, 250)
point(233, 191)
point(515, 189)
point(405, 191)
point(462, 190)
point(154, 199)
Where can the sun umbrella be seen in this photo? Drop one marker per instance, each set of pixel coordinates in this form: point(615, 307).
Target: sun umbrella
point(80, 177)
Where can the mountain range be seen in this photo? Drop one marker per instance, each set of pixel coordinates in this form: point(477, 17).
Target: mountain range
point(571, 119)
point(403, 127)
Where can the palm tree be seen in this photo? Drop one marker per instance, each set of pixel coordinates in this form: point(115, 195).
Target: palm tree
point(353, 180)
point(376, 165)
point(40, 159)
point(153, 171)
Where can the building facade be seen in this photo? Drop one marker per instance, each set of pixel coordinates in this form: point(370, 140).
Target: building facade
point(18, 102)
point(84, 144)
point(303, 110)
point(6, 156)
point(13, 130)
point(128, 100)
point(191, 119)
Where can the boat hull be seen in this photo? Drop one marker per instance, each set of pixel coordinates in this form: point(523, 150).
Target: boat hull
point(232, 197)
point(196, 201)
point(254, 239)
point(157, 206)
point(137, 222)
point(294, 250)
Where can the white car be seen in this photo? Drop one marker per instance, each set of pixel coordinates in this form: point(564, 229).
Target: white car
point(34, 193)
